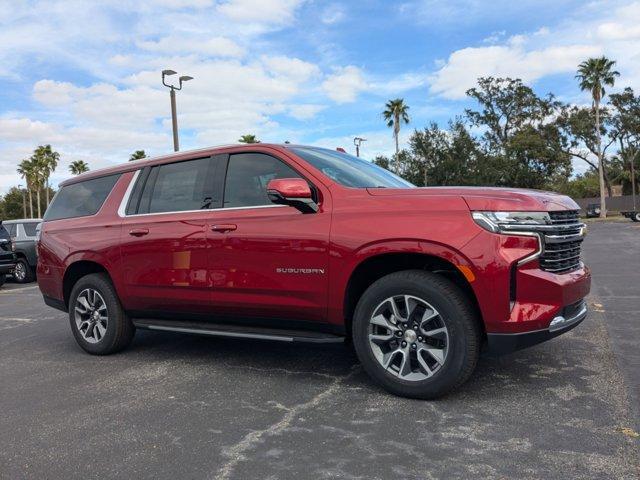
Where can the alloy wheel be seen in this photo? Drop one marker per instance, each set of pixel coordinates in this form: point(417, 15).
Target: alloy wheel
point(20, 272)
point(408, 337)
point(91, 315)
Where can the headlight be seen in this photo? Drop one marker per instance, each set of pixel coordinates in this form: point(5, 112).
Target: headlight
point(506, 222)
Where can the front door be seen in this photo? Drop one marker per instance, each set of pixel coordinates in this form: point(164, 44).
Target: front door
point(267, 260)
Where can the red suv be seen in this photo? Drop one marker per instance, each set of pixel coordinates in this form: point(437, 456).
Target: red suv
point(305, 244)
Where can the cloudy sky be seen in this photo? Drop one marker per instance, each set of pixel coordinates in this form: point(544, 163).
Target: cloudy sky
point(85, 75)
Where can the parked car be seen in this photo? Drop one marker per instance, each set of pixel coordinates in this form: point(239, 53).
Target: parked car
point(23, 234)
point(305, 244)
point(634, 215)
point(593, 210)
point(7, 257)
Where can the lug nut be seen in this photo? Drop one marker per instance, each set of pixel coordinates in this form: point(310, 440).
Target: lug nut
point(404, 344)
point(413, 345)
point(398, 333)
point(420, 339)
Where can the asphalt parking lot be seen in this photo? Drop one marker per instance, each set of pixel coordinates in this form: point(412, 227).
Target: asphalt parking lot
point(202, 408)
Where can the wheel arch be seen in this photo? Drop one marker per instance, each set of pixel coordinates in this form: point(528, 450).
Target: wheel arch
point(376, 266)
point(75, 271)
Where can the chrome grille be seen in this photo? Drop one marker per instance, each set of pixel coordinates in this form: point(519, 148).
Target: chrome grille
point(562, 245)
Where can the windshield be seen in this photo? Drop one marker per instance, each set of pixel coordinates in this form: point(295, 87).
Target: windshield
point(348, 170)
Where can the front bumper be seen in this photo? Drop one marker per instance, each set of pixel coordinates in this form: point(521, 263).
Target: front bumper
point(570, 317)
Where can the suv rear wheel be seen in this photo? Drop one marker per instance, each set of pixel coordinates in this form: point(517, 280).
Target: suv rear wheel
point(416, 334)
point(97, 319)
point(22, 272)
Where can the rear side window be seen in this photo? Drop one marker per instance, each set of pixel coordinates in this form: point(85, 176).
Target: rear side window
point(247, 178)
point(11, 229)
point(177, 187)
point(30, 229)
point(80, 199)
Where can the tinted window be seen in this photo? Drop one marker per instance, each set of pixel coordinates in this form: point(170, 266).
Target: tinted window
point(11, 229)
point(80, 199)
point(350, 171)
point(30, 229)
point(179, 186)
point(247, 178)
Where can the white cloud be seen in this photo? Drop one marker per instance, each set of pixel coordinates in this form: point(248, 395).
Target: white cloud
point(332, 14)
point(269, 11)
point(548, 51)
point(465, 66)
point(305, 111)
point(212, 46)
point(344, 84)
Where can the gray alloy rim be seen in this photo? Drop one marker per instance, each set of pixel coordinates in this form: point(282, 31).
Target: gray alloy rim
point(91, 315)
point(20, 272)
point(408, 337)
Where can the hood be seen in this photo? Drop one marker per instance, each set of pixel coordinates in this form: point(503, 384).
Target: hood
point(491, 198)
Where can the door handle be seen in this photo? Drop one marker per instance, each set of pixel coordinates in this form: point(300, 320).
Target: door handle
point(224, 227)
point(138, 232)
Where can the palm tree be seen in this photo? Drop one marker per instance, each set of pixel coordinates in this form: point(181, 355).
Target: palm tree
point(26, 169)
point(593, 75)
point(78, 166)
point(137, 155)
point(47, 158)
point(250, 138)
point(396, 112)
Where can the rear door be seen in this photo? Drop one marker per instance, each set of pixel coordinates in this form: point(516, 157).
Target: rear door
point(163, 238)
point(267, 260)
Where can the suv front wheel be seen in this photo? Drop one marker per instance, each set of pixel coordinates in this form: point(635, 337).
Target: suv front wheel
point(416, 334)
point(97, 319)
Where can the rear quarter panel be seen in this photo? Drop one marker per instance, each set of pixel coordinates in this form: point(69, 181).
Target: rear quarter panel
point(94, 238)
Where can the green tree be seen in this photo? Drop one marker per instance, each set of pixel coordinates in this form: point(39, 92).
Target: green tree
point(383, 162)
point(395, 113)
point(594, 74)
point(625, 131)
point(137, 155)
point(249, 138)
point(13, 204)
point(27, 170)
point(520, 146)
point(47, 160)
point(78, 166)
point(580, 139)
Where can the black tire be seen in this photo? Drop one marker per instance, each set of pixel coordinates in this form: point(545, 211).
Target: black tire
point(3, 278)
point(636, 217)
point(119, 329)
point(27, 275)
point(456, 313)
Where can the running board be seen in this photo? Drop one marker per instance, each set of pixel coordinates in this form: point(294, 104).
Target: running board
point(237, 331)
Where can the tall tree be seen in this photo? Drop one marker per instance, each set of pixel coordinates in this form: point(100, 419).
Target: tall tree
point(594, 74)
point(626, 132)
point(47, 160)
point(248, 138)
point(580, 139)
point(395, 113)
point(27, 170)
point(137, 155)
point(521, 147)
point(78, 166)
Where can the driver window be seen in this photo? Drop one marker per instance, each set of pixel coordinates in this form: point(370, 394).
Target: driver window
point(247, 178)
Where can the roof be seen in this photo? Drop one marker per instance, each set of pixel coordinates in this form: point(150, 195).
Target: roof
point(184, 155)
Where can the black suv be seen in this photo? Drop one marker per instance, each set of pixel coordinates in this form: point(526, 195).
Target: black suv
point(23, 234)
point(7, 257)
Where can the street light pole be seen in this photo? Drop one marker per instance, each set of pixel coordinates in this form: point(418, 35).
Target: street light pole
point(172, 96)
point(357, 141)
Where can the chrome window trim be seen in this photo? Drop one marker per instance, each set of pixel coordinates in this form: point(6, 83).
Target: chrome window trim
point(202, 210)
point(122, 209)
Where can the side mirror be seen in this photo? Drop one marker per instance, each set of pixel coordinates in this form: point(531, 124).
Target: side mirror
point(294, 192)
